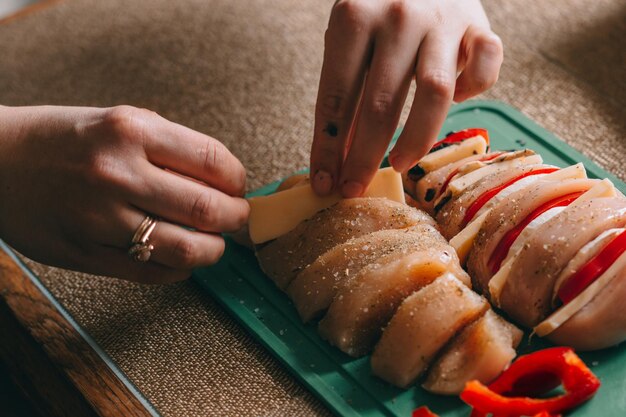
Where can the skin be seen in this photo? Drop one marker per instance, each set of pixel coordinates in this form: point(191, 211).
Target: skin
point(374, 49)
point(75, 183)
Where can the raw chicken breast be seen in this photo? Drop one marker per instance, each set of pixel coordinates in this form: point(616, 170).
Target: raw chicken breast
point(314, 289)
point(427, 188)
point(506, 215)
point(481, 351)
point(527, 292)
point(283, 258)
point(361, 309)
point(450, 217)
point(422, 326)
point(601, 322)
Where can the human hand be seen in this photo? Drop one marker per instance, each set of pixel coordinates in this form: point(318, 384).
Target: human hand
point(75, 183)
point(373, 50)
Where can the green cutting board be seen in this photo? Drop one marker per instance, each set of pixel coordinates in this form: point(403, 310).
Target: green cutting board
point(346, 384)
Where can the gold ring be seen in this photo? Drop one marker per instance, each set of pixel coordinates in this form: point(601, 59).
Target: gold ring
point(141, 249)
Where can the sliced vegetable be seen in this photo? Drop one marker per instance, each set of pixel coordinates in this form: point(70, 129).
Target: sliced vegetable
point(423, 412)
point(502, 249)
point(593, 269)
point(502, 396)
point(489, 194)
point(460, 136)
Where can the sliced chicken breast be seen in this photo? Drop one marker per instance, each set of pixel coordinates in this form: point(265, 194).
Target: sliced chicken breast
point(452, 214)
point(314, 289)
point(527, 292)
point(481, 351)
point(361, 309)
point(505, 216)
point(427, 189)
point(283, 258)
point(601, 321)
point(421, 327)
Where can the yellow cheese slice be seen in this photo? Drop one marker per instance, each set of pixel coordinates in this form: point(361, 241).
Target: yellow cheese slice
point(445, 156)
point(568, 310)
point(276, 214)
point(460, 184)
point(584, 254)
point(464, 240)
point(603, 188)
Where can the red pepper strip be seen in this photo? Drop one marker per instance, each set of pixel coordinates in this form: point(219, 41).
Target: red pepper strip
point(489, 157)
point(461, 135)
point(489, 194)
point(502, 249)
point(579, 382)
point(593, 269)
point(423, 412)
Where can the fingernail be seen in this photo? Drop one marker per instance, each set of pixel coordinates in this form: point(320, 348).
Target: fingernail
point(399, 163)
point(322, 182)
point(351, 189)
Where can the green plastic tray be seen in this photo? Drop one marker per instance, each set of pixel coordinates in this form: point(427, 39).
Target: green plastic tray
point(345, 384)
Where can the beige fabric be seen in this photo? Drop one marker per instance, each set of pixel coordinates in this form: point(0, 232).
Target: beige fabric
point(246, 72)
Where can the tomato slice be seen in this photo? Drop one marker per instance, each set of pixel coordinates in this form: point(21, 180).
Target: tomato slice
point(460, 136)
point(502, 249)
point(444, 187)
point(593, 269)
point(489, 194)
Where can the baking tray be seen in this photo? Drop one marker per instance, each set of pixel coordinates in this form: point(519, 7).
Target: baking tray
point(345, 384)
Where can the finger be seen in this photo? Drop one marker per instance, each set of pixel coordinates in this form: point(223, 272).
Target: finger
point(174, 246)
point(434, 76)
point(170, 145)
point(484, 52)
point(386, 88)
point(346, 53)
point(188, 203)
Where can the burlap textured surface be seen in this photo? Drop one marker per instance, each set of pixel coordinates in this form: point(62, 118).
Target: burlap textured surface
point(246, 72)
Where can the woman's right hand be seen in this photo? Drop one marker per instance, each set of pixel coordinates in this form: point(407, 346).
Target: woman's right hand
point(75, 183)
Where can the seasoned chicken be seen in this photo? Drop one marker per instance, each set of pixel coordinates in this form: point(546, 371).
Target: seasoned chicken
point(481, 351)
point(527, 292)
point(283, 258)
point(314, 289)
point(601, 320)
point(451, 216)
point(421, 327)
point(508, 214)
point(361, 309)
point(427, 189)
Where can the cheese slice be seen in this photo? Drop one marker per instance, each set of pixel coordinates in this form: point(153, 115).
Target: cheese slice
point(497, 281)
point(568, 310)
point(464, 240)
point(453, 153)
point(276, 214)
point(460, 184)
point(603, 188)
point(583, 256)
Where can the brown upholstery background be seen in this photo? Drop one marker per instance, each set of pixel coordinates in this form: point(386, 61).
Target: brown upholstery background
point(246, 72)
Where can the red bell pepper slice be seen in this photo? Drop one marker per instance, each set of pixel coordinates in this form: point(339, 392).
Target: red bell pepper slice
point(502, 249)
point(423, 412)
point(460, 136)
point(593, 269)
point(489, 157)
point(500, 398)
point(489, 194)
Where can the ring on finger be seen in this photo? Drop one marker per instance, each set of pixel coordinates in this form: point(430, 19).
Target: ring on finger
point(141, 248)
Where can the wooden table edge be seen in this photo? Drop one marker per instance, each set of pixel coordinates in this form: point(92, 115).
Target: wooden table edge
point(57, 365)
point(28, 10)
